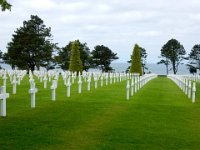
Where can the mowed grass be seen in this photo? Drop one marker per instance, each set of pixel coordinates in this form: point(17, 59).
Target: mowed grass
point(159, 116)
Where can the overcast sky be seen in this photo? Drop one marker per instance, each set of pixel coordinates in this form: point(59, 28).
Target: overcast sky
point(113, 23)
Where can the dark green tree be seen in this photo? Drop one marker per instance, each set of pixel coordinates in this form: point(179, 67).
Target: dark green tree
point(194, 56)
point(86, 57)
point(136, 65)
point(31, 45)
point(5, 5)
point(102, 57)
point(1, 58)
point(192, 69)
point(174, 52)
point(75, 60)
point(63, 57)
point(143, 55)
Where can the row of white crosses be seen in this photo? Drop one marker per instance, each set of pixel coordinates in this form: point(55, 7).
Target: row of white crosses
point(194, 77)
point(137, 82)
point(43, 76)
point(53, 76)
point(185, 83)
point(86, 77)
point(3, 95)
point(69, 80)
point(15, 78)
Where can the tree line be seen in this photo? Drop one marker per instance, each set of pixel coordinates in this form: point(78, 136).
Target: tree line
point(173, 54)
point(31, 47)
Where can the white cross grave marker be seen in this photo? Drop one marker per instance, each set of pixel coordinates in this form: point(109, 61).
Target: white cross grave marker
point(14, 83)
point(106, 79)
point(65, 79)
point(189, 89)
point(95, 81)
point(127, 90)
point(68, 87)
point(132, 87)
point(4, 77)
point(114, 78)
point(45, 81)
point(32, 91)
point(3, 96)
point(101, 80)
point(193, 92)
point(136, 84)
point(53, 88)
point(186, 86)
point(73, 77)
point(79, 84)
point(89, 81)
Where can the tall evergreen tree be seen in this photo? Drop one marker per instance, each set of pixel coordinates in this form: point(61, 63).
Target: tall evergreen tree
point(64, 53)
point(75, 60)
point(143, 55)
point(30, 46)
point(136, 65)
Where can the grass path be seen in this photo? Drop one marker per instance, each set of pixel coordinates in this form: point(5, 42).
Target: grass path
point(159, 116)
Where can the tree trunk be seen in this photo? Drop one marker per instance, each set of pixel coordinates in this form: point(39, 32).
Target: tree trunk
point(143, 67)
point(32, 67)
point(174, 67)
point(167, 69)
point(102, 68)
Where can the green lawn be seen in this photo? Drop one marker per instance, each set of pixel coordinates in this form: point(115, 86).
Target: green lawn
point(159, 116)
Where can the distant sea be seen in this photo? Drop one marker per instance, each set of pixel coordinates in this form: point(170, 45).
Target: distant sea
point(121, 67)
point(153, 68)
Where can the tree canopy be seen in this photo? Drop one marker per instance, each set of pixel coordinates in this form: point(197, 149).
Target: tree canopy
point(136, 65)
point(143, 55)
point(75, 60)
point(85, 55)
point(5, 5)
point(63, 57)
point(102, 57)
point(174, 52)
point(192, 69)
point(31, 45)
point(194, 56)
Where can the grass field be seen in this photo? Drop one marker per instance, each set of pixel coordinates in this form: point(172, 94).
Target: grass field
point(159, 116)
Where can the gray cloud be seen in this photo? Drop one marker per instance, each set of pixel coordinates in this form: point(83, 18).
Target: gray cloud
point(116, 24)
